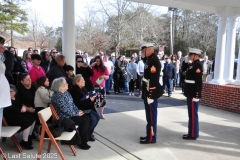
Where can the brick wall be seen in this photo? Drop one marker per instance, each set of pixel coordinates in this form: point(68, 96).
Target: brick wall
point(226, 97)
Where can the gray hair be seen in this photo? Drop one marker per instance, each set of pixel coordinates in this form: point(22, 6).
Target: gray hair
point(179, 52)
point(57, 84)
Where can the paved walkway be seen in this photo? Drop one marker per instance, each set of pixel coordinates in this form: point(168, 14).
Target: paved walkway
point(118, 135)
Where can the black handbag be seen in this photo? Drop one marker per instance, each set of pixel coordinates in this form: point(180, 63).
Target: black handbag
point(69, 126)
point(55, 128)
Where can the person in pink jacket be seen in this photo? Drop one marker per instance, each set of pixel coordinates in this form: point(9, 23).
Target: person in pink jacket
point(100, 74)
point(36, 71)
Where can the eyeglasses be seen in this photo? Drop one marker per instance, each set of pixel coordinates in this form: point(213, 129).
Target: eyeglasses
point(54, 52)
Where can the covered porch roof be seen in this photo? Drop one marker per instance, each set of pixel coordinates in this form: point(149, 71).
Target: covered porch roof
point(228, 7)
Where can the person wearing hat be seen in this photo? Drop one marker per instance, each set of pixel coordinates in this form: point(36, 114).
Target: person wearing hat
point(5, 98)
point(192, 90)
point(151, 91)
point(36, 70)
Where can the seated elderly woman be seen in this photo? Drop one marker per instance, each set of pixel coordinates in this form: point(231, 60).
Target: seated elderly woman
point(78, 93)
point(65, 108)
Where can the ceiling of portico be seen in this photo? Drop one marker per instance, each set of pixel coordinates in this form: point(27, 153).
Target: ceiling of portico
point(229, 7)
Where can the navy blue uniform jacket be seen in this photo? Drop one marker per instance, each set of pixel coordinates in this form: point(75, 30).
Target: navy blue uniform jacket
point(152, 70)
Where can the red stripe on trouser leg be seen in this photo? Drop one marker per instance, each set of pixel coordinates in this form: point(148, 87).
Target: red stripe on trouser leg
point(150, 129)
point(193, 118)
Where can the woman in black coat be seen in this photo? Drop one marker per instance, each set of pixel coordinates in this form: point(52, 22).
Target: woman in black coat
point(79, 94)
point(118, 74)
point(17, 115)
point(85, 70)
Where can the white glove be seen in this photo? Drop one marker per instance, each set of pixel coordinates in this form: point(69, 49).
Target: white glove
point(149, 100)
point(195, 100)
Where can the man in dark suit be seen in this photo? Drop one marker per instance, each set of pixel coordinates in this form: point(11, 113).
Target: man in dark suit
point(57, 71)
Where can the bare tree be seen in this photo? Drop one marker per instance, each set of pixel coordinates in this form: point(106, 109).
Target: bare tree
point(35, 25)
point(206, 30)
point(90, 32)
point(116, 11)
point(45, 33)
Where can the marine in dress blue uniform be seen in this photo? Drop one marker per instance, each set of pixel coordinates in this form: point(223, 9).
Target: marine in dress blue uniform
point(192, 90)
point(151, 91)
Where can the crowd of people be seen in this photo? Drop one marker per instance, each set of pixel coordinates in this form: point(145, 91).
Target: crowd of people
point(174, 69)
point(38, 80)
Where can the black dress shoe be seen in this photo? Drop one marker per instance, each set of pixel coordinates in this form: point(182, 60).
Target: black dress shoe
point(26, 145)
point(143, 138)
point(189, 138)
point(107, 92)
point(84, 146)
point(185, 135)
point(146, 142)
point(91, 139)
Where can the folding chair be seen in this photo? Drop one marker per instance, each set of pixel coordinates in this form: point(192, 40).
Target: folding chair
point(56, 117)
point(44, 115)
point(3, 154)
point(9, 131)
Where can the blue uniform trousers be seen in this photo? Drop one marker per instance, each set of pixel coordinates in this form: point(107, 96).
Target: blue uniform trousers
point(193, 124)
point(151, 117)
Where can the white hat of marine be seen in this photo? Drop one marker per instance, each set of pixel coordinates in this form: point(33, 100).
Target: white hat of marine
point(146, 44)
point(194, 50)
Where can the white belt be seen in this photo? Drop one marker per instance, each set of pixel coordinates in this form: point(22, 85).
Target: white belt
point(189, 81)
point(145, 80)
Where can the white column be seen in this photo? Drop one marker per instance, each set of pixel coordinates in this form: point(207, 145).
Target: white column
point(230, 50)
point(220, 52)
point(237, 81)
point(68, 41)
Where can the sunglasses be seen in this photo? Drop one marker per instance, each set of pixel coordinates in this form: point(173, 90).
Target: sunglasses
point(54, 52)
point(79, 61)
